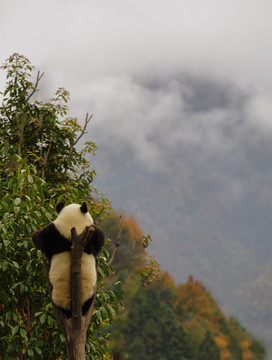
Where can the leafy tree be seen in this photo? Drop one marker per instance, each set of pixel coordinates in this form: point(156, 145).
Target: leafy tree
point(25, 321)
point(41, 133)
point(39, 166)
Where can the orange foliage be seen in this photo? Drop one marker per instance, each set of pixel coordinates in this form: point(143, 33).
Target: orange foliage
point(135, 231)
point(225, 354)
point(247, 354)
point(193, 299)
point(168, 281)
point(223, 342)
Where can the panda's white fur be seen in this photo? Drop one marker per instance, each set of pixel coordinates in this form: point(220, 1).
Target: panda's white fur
point(71, 216)
point(59, 274)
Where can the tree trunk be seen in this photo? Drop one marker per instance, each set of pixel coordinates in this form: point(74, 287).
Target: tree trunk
point(75, 343)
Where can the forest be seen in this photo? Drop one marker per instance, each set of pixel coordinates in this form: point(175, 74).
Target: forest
point(163, 320)
point(140, 312)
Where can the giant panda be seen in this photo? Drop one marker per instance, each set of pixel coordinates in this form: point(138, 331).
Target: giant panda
point(55, 242)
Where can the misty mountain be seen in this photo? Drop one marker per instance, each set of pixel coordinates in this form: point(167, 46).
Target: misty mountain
point(203, 190)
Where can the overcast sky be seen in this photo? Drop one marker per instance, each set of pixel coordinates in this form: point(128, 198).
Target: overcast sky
point(78, 42)
point(106, 52)
point(154, 73)
point(160, 77)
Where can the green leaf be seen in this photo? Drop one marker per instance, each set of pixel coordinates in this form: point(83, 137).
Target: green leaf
point(30, 352)
point(38, 313)
point(15, 264)
point(104, 313)
point(6, 242)
point(14, 330)
point(30, 179)
point(23, 333)
point(38, 350)
point(43, 318)
point(3, 266)
point(17, 201)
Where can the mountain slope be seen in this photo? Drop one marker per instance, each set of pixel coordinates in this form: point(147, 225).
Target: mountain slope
point(199, 180)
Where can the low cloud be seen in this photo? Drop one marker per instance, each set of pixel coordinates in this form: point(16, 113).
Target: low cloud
point(177, 113)
point(209, 134)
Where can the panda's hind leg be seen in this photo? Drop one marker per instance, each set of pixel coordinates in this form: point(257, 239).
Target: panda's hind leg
point(86, 306)
point(67, 313)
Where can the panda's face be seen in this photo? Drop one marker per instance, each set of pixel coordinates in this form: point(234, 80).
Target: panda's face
point(70, 216)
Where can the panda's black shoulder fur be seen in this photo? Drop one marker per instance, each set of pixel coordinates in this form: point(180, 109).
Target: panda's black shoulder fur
point(96, 242)
point(50, 241)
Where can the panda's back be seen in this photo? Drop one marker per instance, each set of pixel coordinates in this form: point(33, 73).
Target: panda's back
point(88, 276)
point(59, 276)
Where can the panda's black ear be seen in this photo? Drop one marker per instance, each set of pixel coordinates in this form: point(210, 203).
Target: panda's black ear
point(59, 207)
point(84, 208)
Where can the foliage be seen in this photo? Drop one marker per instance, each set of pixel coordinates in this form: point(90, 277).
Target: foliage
point(27, 326)
point(39, 132)
point(208, 349)
point(199, 327)
point(152, 322)
point(151, 272)
point(22, 324)
point(39, 166)
point(129, 263)
point(208, 328)
point(132, 254)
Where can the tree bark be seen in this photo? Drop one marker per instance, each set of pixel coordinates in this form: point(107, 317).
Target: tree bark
point(74, 328)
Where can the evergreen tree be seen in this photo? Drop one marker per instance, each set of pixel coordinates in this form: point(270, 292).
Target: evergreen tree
point(137, 349)
point(208, 349)
point(156, 323)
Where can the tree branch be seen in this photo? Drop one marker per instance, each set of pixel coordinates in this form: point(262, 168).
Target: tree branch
point(38, 78)
point(78, 244)
point(87, 120)
point(117, 241)
point(44, 158)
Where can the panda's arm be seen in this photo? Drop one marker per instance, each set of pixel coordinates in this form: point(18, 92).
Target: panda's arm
point(96, 242)
point(44, 240)
point(37, 239)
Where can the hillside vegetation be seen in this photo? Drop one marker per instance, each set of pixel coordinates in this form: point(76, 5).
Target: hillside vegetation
point(167, 321)
point(213, 204)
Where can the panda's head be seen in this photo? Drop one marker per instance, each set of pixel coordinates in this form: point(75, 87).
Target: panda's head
point(70, 216)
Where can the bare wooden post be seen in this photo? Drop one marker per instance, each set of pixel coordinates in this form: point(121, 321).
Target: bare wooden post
point(74, 328)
